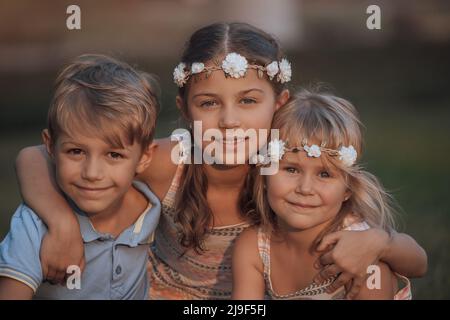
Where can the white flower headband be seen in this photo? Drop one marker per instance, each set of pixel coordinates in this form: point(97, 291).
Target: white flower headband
point(234, 65)
point(277, 148)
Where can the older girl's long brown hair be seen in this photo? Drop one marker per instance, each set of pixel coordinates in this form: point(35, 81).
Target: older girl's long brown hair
point(191, 208)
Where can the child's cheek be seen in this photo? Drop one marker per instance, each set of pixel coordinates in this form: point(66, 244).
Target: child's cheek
point(277, 188)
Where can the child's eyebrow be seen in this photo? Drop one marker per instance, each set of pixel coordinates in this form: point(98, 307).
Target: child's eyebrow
point(250, 90)
point(210, 94)
point(70, 142)
point(317, 166)
point(110, 147)
point(290, 163)
point(115, 148)
point(204, 94)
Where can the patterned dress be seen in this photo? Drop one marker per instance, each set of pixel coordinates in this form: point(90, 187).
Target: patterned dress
point(318, 291)
point(190, 276)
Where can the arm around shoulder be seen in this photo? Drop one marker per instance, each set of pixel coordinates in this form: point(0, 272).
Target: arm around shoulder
point(161, 170)
point(380, 285)
point(405, 256)
point(62, 245)
point(36, 177)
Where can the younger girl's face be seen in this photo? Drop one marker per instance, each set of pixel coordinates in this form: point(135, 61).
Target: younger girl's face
point(223, 103)
point(304, 194)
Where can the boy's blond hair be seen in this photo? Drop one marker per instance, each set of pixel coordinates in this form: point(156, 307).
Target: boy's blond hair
point(100, 96)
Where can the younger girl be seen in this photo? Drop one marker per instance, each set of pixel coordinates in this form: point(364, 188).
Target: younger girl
point(318, 189)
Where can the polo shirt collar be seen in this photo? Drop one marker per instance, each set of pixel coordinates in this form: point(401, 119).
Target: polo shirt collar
point(141, 232)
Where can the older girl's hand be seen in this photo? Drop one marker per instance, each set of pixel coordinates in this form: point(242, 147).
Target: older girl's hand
point(347, 255)
point(62, 246)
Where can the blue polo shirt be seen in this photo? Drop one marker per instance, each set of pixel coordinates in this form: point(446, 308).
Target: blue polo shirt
point(116, 268)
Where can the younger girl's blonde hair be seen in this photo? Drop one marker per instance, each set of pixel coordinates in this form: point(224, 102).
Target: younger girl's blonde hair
point(326, 118)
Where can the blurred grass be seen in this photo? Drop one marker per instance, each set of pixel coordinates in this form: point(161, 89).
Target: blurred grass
point(404, 103)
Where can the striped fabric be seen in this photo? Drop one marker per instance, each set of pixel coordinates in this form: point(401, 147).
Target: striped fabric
point(318, 291)
point(190, 276)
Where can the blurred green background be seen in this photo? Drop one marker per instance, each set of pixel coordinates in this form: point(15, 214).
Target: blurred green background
point(397, 77)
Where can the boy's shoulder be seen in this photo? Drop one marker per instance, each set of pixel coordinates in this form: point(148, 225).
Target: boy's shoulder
point(24, 218)
point(19, 250)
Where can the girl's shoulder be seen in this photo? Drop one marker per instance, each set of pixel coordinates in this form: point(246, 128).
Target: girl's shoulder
point(159, 174)
point(249, 234)
point(246, 248)
point(247, 241)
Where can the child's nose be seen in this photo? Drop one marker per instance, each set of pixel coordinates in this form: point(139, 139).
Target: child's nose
point(228, 118)
point(92, 170)
point(305, 185)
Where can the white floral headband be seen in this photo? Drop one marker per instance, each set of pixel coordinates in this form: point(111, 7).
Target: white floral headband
point(277, 148)
point(234, 65)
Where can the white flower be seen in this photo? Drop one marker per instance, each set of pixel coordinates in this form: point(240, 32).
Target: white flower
point(276, 149)
point(285, 71)
point(348, 155)
point(235, 65)
point(272, 69)
point(179, 75)
point(259, 159)
point(313, 151)
point(197, 67)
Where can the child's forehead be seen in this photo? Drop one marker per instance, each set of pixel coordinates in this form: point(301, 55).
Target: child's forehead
point(300, 158)
point(216, 82)
point(92, 141)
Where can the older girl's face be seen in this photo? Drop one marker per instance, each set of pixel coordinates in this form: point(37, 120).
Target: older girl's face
point(223, 103)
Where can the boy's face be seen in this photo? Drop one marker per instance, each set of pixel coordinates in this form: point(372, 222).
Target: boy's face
point(93, 174)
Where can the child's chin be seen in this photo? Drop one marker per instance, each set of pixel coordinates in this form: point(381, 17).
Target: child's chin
point(91, 207)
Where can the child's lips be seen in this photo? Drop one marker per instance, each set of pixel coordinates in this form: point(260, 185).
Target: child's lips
point(302, 205)
point(92, 190)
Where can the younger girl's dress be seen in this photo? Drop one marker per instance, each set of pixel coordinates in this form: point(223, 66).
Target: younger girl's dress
point(317, 291)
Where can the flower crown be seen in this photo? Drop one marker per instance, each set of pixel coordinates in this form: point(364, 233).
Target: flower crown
point(277, 148)
point(234, 65)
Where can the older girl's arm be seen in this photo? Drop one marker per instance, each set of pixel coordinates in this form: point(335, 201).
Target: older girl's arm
point(62, 246)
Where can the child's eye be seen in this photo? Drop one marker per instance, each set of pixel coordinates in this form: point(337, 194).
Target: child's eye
point(75, 152)
point(291, 170)
point(247, 101)
point(324, 174)
point(208, 104)
point(115, 155)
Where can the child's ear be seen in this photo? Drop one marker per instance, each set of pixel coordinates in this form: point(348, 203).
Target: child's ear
point(146, 158)
point(347, 195)
point(282, 99)
point(48, 142)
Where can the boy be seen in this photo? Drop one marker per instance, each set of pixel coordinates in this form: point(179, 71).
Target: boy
point(100, 128)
